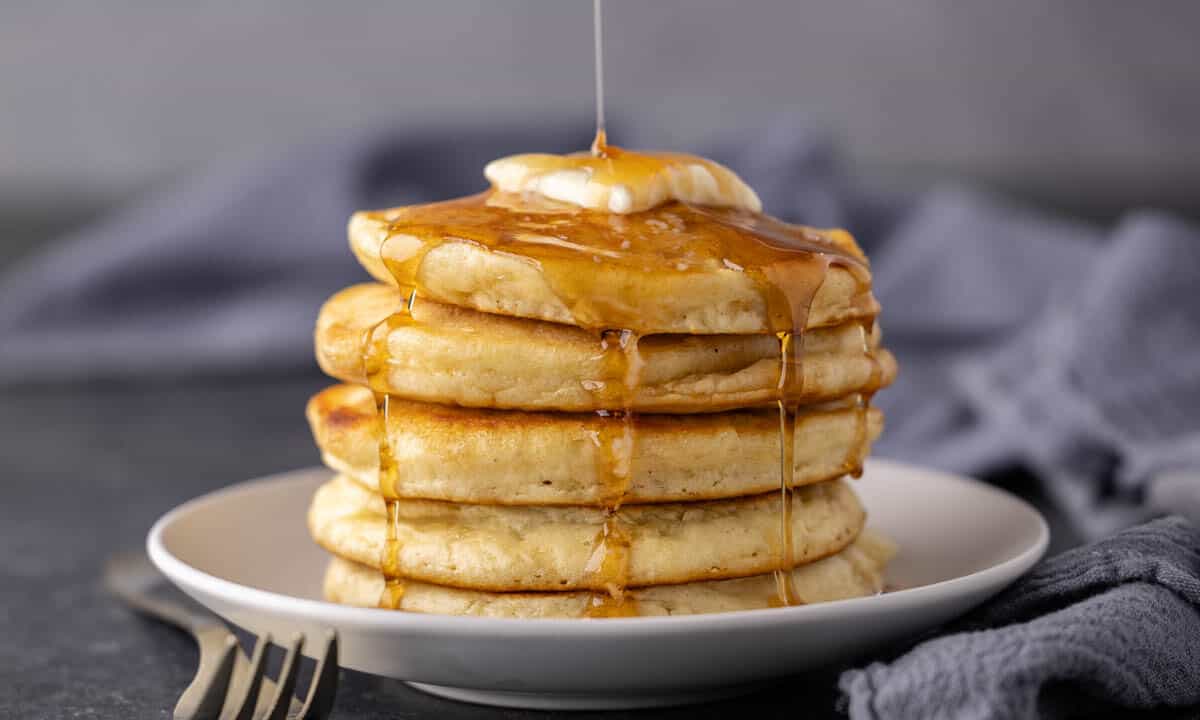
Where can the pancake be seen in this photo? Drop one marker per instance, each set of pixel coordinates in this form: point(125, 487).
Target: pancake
point(855, 571)
point(671, 269)
point(527, 458)
point(485, 547)
point(451, 355)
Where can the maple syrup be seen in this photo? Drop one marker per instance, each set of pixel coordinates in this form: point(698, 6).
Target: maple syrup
point(375, 363)
point(614, 438)
point(787, 264)
point(674, 241)
point(608, 567)
point(862, 405)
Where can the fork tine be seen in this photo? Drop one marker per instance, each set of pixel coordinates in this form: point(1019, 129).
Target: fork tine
point(202, 700)
point(323, 688)
point(243, 696)
point(278, 709)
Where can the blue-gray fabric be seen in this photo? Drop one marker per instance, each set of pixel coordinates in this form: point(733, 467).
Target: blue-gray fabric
point(1023, 338)
point(1111, 625)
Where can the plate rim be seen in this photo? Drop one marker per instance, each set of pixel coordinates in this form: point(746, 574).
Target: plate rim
point(187, 576)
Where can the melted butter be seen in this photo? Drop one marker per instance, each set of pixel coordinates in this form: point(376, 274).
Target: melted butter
point(612, 180)
point(786, 262)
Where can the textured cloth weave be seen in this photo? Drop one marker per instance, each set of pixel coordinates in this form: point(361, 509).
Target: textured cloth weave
point(1109, 626)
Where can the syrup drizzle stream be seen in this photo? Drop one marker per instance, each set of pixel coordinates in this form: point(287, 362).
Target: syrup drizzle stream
point(600, 144)
point(608, 564)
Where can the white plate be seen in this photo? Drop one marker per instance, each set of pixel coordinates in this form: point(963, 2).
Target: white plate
point(245, 553)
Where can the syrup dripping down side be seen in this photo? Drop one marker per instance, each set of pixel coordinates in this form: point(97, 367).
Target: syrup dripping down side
point(600, 144)
point(609, 561)
point(615, 438)
point(788, 289)
point(789, 286)
point(375, 362)
point(789, 378)
point(375, 365)
point(863, 403)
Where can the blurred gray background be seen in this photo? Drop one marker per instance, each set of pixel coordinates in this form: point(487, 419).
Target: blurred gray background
point(1092, 106)
point(1059, 360)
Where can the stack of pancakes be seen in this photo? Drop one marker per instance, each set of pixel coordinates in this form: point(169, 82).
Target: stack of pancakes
point(556, 410)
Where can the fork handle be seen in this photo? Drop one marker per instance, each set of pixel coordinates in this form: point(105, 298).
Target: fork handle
point(171, 612)
point(133, 578)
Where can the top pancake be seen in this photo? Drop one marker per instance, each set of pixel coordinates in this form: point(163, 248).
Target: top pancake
point(673, 269)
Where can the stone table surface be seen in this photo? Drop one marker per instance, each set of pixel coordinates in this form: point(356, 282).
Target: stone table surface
point(85, 470)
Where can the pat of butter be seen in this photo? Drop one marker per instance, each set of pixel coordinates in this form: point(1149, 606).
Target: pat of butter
point(622, 181)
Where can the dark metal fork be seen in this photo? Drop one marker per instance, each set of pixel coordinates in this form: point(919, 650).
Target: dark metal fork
point(227, 685)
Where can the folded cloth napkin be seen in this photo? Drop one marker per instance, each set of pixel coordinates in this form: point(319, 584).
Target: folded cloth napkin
point(1110, 626)
point(1022, 338)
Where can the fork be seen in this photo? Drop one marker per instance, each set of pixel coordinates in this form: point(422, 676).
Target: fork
point(227, 685)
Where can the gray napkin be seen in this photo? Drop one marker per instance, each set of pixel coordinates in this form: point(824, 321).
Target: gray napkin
point(1092, 378)
point(1109, 626)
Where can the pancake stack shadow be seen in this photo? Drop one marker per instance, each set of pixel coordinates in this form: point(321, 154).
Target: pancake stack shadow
point(552, 413)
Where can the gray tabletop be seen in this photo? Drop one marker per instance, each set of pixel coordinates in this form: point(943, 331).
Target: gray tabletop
point(87, 469)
